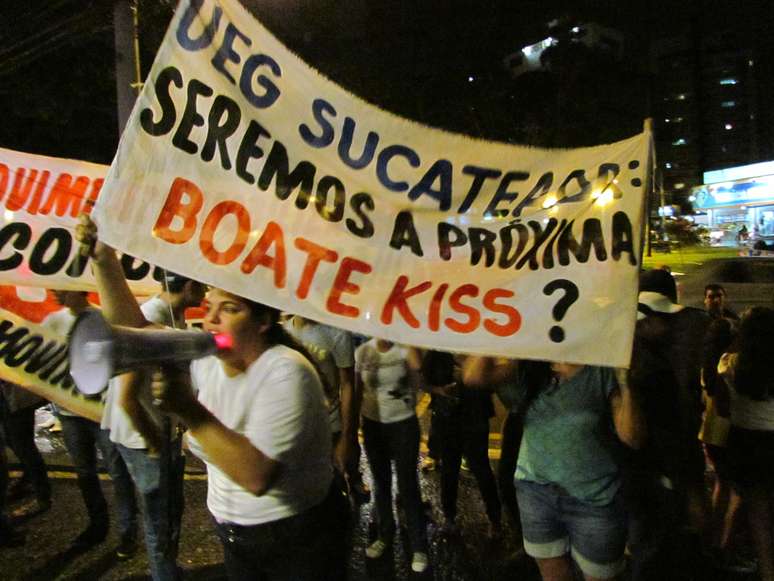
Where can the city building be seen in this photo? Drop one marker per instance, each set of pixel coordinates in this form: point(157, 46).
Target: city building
point(707, 107)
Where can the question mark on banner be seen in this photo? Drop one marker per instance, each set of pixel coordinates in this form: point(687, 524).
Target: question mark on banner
point(560, 308)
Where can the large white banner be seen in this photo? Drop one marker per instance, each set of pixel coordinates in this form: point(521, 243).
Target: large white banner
point(244, 168)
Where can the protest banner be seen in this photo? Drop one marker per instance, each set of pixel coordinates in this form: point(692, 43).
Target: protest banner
point(34, 356)
point(244, 168)
point(41, 198)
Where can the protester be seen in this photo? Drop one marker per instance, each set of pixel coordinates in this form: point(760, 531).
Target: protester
point(82, 438)
point(148, 442)
point(389, 376)
point(568, 479)
point(333, 352)
point(746, 369)
point(17, 412)
point(9, 536)
point(257, 416)
point(515, 394)
point(462, 427)
point(726, 500)
point(715, 302)
point(666, 478)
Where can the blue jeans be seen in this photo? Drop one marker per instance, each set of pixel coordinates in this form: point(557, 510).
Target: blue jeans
point(398, 442)
point(81, 438)
point(159, 480)
point(554, 523)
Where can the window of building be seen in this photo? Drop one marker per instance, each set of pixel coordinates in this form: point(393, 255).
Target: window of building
point(729, 81)
point(728, 104)
point(668, 165)
point(679, 141)
point(679, 186)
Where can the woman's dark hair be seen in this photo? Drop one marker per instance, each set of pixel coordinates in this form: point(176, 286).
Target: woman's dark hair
point(277, 335)
point(717, 340)
point(753, 377)
point(438, 368)
point(536, 375)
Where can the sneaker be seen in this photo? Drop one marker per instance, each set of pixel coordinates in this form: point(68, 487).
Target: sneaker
point(428, 464)
point(419, 562)
point(126, 548)
point(376, 549)
point(738, 564)
point(31, 508)
point(93, 535)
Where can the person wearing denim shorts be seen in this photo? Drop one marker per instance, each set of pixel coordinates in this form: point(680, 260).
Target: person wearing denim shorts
point(567, 478)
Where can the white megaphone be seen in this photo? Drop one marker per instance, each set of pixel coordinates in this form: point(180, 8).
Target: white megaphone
point(99, 351)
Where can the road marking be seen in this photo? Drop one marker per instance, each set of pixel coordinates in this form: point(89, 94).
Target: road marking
point(71, 475)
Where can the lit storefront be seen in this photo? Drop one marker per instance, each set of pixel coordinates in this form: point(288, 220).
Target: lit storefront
point(739, 202)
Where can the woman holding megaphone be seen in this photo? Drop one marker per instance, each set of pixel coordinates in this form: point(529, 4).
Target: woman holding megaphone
point(256, 415)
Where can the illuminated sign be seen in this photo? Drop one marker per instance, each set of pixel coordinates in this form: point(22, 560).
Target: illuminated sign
point(732, 193)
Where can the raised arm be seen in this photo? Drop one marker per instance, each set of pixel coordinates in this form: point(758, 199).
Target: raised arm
point(119, 306)
point(629, 421)
point(487, 372)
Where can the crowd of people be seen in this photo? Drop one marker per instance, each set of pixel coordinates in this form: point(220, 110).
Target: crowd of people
point(599, 467)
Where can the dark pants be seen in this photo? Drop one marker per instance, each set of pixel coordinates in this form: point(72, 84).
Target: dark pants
point(82, 437)
point(509, 456)
point(4, 523)
point(660, 549)
point(309, 546)
point(398, 442)
point(20, 433)
point(455, 441)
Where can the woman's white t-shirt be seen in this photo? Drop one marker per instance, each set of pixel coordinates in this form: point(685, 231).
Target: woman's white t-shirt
point(746, 412)
point(387, 393)
point(279, 405)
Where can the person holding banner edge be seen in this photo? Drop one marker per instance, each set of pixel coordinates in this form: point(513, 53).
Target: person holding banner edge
point(257, 416)
point(568, 480)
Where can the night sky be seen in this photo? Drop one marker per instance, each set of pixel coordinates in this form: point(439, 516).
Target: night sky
point(57, 85)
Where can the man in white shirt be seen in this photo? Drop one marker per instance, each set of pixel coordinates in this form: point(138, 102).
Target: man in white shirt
point(148, 443)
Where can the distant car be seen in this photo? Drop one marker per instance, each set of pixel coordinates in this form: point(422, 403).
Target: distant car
point(749, 282)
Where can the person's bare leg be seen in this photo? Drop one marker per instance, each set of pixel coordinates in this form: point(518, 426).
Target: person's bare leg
point(730, 517)
point(556, 568)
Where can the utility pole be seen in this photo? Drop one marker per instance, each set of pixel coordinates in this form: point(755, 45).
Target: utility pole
point(127, 43)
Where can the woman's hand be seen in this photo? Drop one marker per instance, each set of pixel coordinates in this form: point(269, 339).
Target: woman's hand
point(86, 234)
point(448, 390)
point(172, 390)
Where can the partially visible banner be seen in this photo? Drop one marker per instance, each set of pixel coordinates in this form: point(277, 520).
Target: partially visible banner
point(40, 201)
point(244, 168)
point(35, 357)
